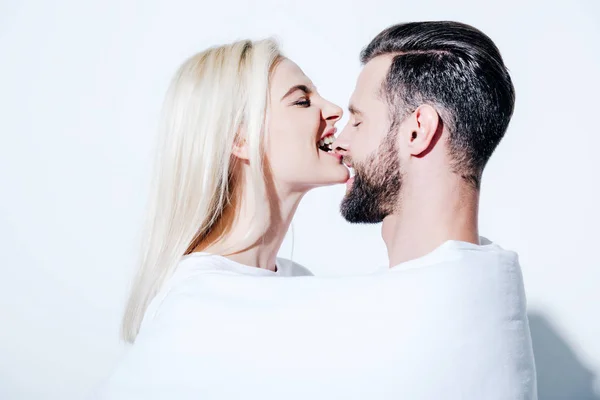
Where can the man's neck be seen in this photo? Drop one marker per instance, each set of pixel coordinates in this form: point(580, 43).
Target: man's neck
point(425, 219)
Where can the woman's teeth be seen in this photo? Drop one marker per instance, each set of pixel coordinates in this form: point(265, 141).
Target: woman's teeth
point(325, 143)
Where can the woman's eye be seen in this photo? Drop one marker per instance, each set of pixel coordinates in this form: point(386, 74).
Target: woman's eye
point(356, 124)
point(303, 103)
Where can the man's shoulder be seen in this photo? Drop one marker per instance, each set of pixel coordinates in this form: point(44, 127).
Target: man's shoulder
point(471, 278)
point(463, 255)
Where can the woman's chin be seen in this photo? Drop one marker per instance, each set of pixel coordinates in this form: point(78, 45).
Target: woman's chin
point(335, 178)
point(328, 176)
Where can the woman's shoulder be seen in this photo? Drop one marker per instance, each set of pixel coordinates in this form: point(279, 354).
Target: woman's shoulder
point(199, 263)
point(202, 274)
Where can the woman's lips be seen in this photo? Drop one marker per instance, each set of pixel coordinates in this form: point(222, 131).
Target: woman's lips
point(335, 155)
point(329, 132)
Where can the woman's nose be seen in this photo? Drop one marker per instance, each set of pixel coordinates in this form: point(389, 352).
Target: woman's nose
point(341, 145)
point(332, 112)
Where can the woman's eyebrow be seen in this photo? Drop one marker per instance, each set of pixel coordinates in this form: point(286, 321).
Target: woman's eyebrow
point(303, 88)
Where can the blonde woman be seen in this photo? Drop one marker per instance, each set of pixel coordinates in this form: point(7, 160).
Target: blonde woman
point(244, 136)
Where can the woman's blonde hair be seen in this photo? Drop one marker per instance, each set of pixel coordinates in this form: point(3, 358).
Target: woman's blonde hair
point(214, 97)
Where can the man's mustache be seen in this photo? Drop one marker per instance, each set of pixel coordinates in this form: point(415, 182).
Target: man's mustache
point(347, 160)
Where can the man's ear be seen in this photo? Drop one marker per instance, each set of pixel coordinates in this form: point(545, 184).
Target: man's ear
point(424, 128)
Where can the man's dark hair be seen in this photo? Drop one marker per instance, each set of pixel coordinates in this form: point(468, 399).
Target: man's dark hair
point(459, 71)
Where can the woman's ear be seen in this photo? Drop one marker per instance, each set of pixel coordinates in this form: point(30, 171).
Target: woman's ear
point(424, 130)
point(240, 147)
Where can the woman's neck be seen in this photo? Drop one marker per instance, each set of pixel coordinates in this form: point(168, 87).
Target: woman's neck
point(242, 238)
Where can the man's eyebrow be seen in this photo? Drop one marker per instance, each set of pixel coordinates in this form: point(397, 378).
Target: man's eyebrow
point(303, 88)
point(353, 110)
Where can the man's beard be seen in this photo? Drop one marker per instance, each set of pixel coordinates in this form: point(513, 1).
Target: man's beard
point(376, 188)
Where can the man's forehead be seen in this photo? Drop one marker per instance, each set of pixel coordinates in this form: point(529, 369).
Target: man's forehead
point(369, 82)
point(376, 69)
point(372, 75)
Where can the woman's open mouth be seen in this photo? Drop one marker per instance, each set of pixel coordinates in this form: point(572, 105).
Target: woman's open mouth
point(325, 144)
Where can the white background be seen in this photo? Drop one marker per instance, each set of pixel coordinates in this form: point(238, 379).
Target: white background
point(81, 85)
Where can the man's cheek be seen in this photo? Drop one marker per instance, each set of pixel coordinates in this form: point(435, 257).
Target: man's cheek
point(368, 146)
point(360, 153)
